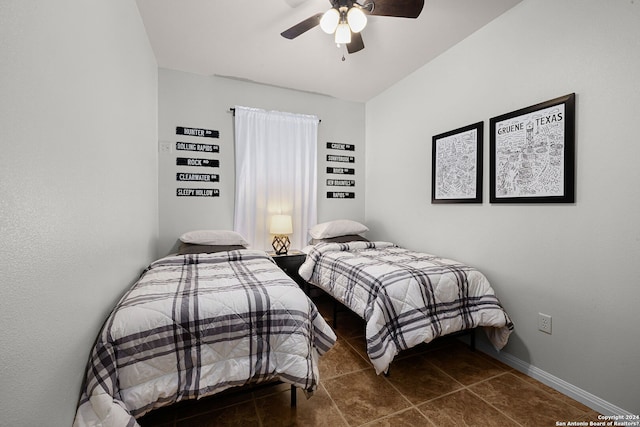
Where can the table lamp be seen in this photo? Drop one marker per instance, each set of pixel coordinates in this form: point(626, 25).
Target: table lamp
point(281, 226)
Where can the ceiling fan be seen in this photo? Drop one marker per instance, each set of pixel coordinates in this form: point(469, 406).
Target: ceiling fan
point(347, 18)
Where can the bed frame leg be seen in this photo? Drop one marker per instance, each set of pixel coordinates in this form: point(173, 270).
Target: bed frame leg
point(294, 399)
point(335, 314)
point(472, 343)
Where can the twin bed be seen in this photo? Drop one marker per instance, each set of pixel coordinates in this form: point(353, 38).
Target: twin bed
point(197, 323)
point(405, 297)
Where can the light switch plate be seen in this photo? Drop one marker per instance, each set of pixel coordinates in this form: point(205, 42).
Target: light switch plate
point(165, 147)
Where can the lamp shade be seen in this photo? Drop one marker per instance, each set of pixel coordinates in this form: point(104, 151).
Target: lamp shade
point(357, 19)
point(343, 34)
point(329, 20)
point(281, 224)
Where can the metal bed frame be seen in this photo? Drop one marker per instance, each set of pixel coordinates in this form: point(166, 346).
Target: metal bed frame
point(337, 305)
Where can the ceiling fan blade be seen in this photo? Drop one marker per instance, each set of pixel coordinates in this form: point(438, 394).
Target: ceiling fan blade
point(356, 44)
point(302, 27)
point(399, 8)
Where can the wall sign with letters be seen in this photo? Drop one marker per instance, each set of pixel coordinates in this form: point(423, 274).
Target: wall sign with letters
point(201, 161)
point(339, 146)
point(197, 192)
point(340, 195)
point(203, 148)
point(205, 133)
point(188, 161)
point(342, 159)
point(342, 182)
point(198, 177)
point(339, 170)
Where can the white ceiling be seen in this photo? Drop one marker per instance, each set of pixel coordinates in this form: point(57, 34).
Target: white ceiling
point(241, 39)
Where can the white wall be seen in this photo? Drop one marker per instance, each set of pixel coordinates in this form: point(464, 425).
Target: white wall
point(78, 190)
point(580, 262)
point(204, 102)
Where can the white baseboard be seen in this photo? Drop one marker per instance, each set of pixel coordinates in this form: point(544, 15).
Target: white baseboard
point(594, 402)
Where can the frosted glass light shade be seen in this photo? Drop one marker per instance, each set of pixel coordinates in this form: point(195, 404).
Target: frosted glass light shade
point(281, 225)
point(329, 20)
point(343, 34)
point(357, 19)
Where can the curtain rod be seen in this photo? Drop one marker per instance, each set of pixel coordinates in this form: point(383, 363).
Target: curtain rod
point(233, 110)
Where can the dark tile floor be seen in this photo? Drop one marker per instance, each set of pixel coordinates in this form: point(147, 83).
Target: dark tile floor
point(442, 383)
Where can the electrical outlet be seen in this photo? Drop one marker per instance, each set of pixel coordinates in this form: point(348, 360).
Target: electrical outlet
point(544, 323)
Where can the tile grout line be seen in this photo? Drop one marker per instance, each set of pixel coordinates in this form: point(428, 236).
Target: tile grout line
point(411, 405)
point(487, 402)
point(335, 404)
point(462, 387)
point(467, 387)
point(415, 406)
point(255, 408)
point(396, 413)
point(344, 374)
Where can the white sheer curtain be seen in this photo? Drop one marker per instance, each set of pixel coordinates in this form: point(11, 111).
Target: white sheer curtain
point(276, 173)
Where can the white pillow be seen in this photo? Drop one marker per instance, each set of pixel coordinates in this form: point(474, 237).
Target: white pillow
point(213, 237)
point(339, 227)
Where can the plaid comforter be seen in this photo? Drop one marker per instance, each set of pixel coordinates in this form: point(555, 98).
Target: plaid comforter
point(194, 325)
point(405, 297)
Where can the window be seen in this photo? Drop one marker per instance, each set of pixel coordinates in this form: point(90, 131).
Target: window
point(276, 173)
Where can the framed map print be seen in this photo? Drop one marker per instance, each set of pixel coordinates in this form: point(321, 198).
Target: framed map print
point(533, 153)
point(456, 172)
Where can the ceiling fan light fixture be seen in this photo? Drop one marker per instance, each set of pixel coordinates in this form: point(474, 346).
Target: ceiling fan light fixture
point(329, 21)
point(343, 34)
point(357, 19)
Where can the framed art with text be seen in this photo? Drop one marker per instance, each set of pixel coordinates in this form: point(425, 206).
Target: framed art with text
point(456, 172)
point(533, 153)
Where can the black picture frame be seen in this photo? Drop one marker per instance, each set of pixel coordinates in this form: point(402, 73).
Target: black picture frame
point(456, 165)
point(532, 153)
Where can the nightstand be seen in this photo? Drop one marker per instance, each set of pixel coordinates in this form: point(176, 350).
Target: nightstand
point(290, 263)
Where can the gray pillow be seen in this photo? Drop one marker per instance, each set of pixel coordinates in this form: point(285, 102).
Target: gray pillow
point(340, 239)
point(190, 248)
